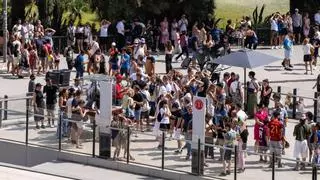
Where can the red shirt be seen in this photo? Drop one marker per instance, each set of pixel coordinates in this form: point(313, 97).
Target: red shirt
point(118, 88)
point(275, 130)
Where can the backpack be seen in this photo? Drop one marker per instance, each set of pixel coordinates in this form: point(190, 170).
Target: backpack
point(159, 117)
point(77, 62)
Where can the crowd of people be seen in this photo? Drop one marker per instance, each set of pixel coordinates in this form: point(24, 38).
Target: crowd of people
point(165, 102)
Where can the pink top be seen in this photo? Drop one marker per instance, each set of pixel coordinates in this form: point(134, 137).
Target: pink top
point(261, 115)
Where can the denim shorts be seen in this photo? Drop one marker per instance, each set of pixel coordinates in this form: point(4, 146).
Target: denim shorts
point(137, 115)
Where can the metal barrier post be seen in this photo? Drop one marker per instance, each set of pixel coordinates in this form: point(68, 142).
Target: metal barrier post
point(315, 104)
point(235, 161)
point(27, 123)
point(199, 156)
point(247, 98)
point(273, 165)
point(5, 112)
point(128, 145)
point(60, 129)
point(1, 114)
point(162, 153)
point(313, 172)
point(294, 104)
point(94, 139)
point(279, 89)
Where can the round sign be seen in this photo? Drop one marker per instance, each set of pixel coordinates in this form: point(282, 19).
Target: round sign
point(198, 104)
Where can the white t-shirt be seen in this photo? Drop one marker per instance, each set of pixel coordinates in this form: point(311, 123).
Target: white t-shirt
point(183, 23)
point(317, 18)
point(234, 86)
point(165, 119)
point(307, 49)
point(17, 29)
point(241, 115)
point(168, 88)
point(17, 43)
point(138, 51)
point(120, 27)
point(133, 76)
point(162, 90)
point(104, 31)
point(94, 47)
point(274, 25)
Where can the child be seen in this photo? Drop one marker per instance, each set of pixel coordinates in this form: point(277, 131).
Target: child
point(50, 61)
point(263, 141)
point(68, 53)
point(300, 105)
point(56, 57)
point(308, 50)
point(229, 138)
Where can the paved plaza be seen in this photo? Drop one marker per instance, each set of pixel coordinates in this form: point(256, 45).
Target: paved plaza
point(143, 147)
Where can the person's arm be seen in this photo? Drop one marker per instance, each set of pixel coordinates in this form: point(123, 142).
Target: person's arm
point(295, 131)
point(34, 100)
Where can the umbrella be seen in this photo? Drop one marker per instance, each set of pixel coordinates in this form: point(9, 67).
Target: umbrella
point(246, 58)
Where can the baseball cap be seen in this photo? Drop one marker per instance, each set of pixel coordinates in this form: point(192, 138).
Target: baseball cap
point(113, 44)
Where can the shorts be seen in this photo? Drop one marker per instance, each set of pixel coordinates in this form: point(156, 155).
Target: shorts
point(275, 147)
point(144, 114)
point(283, 31)
point(287, 54)
point(300, 149)
point(274, 33)
point(307, 58)
point(137, 115)
point(227, 154)
point(50, 107)
point(297, 30)
point(15, 61)
point(164, 127)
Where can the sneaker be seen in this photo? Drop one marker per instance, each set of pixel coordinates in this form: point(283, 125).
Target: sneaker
point(178, 151)
point(295, 169)
point(277, 47)
point(273, 47)
point(270, 166)
point(52, 125)
point(287, 69)
point(303, 168)
point(228, 172)
point(280, 165)
point(188, 157)
point(42, 126)
point(37, 127)
point(223, 174)
point(283, 64)
point(290, 66)
point(206, 165)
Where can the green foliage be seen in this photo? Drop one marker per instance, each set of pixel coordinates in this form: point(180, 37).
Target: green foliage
point(257, 18)
point(31, 11)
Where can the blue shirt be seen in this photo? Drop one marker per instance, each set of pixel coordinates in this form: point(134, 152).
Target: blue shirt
point(287, 44)
point(79, 62)
point(125, 64)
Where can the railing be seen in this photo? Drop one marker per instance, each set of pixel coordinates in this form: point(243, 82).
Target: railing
point(140, 149)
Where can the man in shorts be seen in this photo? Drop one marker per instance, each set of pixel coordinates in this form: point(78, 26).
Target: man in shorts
point(275, 137)
point(301, 133)
point(51, 100)
point(229, 138)
point(297, 26)
point(138, 100)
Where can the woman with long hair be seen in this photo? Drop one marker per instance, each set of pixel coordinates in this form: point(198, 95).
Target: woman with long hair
point(63, 98)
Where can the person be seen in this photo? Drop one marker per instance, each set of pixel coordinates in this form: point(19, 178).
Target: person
point(251, 40)
point(31, 85)
point(71, 35)
point(68, 54)
point(150, 64)
point(56, 57)
point(242, 137)
point(16, 55)
point(38, 104)
point(266, 92)
point(62, 128)
point(297, 25)
point(50, 91)
point(276, 135)
point(253, 89)
point(78, 114)
point(288, 50)
point(306, 25)
point(114, 62)
point(274, 31)
point(260, 117)
point(164, 26)
point(125, 63)
point(79, 64)
point(104, 34)
point(138, 101)
point(184, 45)
point(229, 138)
point(33, 59)
point(307, 55)
point(168, 51)
point(119, 91)
point(317, 18)
point(236, 92)
point(301, 132)
point(10, 54)
point(183, 23)
point(263, 141)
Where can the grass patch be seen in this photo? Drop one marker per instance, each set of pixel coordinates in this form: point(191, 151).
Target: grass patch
point(235, 9)
point(87, 17)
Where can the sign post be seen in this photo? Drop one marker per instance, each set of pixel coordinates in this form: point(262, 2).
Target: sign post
point(198, 134)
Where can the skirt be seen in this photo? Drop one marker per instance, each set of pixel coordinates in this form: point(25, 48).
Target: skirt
point(307, 58)
point(164, 127)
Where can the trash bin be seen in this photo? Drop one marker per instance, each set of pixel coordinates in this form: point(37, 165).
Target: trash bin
point(54, 75)
point(64, 77)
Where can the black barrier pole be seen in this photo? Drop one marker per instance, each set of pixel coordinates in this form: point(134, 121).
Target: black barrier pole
point(1, 113)
point(27, 123)
point(235, 161)
point(315, 104)
point(294, 104)
point(199, 156)
point(128, 145)
point(94, 139)
point(60, 129)
point(247, 97)
point(273, 165)
point(162, 153)
point(279, 89)
point(5, 113)
point(313, 172)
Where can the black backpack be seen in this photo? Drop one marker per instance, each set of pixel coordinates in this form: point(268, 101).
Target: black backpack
point(159, 117)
